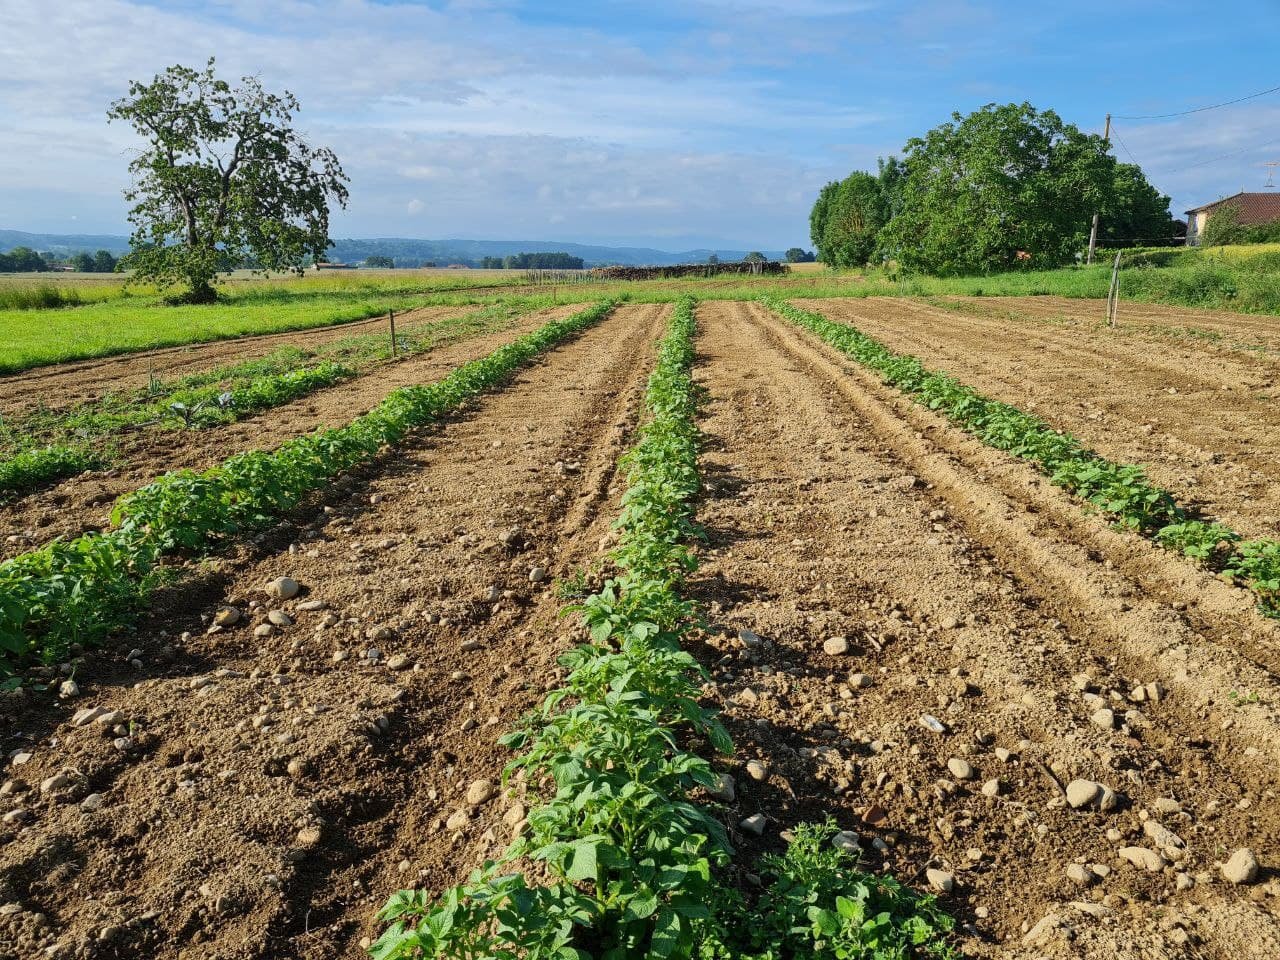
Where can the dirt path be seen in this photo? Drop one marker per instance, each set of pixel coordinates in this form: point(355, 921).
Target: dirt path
point(272, 791)
point(64, 384)
point(81, 502)
point(968, 592)
point(1205, 424)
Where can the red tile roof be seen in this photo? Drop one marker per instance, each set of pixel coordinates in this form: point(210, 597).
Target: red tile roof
point(1254, 207)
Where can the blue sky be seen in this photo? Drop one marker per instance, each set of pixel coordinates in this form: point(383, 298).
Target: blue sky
point(667, 124)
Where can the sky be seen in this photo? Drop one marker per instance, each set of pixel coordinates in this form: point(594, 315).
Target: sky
point(665, 123)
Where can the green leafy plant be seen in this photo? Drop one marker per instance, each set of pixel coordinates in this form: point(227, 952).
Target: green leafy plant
point(1121, 491)
point(80, 590)
point(631, 859)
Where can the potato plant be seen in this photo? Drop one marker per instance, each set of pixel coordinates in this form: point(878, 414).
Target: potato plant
point(636, 865)
point(80, 590)
point(1120, 491)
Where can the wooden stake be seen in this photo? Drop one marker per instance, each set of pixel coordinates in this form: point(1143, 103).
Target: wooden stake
point(392, 315)
point(1113, 295)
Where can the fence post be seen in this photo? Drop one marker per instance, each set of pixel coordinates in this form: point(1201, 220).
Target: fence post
point(392, 315)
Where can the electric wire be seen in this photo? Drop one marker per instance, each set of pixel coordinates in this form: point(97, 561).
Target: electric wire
point(1183, 113)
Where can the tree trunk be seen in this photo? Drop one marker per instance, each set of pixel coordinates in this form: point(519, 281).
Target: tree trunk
point(202, 292)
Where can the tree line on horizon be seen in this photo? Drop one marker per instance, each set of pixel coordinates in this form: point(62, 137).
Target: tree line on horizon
point(26, 260)
point(1006, 186)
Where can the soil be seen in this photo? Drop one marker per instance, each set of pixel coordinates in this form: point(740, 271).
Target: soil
point(1202, 418)
point(65, 384)
point(837, 510)
point(270, 795)
point(263, 795)
point(82, 502)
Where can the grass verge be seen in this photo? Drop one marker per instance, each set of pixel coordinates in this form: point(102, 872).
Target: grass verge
point(635, 865)
point(1118, 490)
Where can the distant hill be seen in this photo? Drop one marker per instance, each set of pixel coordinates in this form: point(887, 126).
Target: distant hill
point(408, 252)
point(63, 242)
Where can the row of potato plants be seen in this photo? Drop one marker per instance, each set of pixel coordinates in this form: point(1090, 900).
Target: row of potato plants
point(1120, 491)
point(46, 446)
point(635, 866)
point(78, 591)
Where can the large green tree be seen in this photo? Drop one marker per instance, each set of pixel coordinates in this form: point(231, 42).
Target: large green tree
point(847, 218)
point(1134, 213)
point(1003, 186)
point(224, 178)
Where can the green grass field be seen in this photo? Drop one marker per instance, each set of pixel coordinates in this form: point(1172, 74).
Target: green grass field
point(114, 319)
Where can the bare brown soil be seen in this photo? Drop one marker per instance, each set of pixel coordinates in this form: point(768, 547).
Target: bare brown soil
point(263, 795)
point(1203, 419)
point(82, 502)
point(65, 384)
point(839, 511)
point(275, 790)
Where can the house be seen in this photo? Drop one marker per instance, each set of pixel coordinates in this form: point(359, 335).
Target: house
point(326, 265)
point(1255, 209)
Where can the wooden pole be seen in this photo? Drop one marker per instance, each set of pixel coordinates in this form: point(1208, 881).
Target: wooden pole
point(1093, 234)
point(392, 315)
point(1113, 295)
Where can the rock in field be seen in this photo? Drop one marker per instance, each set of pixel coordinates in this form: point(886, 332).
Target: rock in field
point(1142, 857)
point(283, 588)
point(940, 880)
point(961, 768)
point(1241, 868)
point(835, 646)
point(481, 791)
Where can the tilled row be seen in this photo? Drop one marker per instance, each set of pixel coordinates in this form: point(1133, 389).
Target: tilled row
point(279, 777)
point(80, 503)
point(81, 590)
point(889, 657)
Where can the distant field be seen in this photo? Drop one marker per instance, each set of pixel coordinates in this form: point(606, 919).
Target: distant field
point(113, 318)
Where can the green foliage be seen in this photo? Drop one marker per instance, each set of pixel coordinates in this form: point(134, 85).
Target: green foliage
point(40, 465)
point(80, 590)
point(799, 255)
point(44, 296)
point(1006, 186)
point(224, 178)
point(630, 859)
point(22, 260)
point(1223, 227)
point(1121, 491)
point(847, 219)
point(816, 903)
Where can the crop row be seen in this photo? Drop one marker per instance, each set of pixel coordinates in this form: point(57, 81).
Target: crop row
point(44, 446)
point(77, 591)
point(1120, 491)
point(636, 867)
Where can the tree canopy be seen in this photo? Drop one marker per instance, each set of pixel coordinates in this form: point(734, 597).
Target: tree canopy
point(1004, 186)
point(224, 178)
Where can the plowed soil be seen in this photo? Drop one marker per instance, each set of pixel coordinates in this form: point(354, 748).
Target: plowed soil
point(263, 789)
point(1203, 418)
point(64, 384)
point(81, 502)
point(270, 792)
point(969, 592)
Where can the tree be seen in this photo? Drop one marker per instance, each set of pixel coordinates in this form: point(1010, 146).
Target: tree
point(224, 176)
point(26, 260)
point(82, 262)
point(755, 256)
point(1223, 227)
point(852, 213)
point(1004, 180)
point(104, 262)
point(799, 255)
point(713, 259)
point(1134, 213)
point(384, 263)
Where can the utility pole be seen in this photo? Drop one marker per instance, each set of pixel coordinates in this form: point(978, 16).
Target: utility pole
point(1093, 234)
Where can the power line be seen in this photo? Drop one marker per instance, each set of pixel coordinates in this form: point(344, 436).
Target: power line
point(1198, 163)
point(1183, 113)
point(1125, 145)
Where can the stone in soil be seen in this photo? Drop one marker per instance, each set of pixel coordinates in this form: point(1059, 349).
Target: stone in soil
point(1241, 868)
point(283, 588)
point(836, 646)
point(940, 880)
